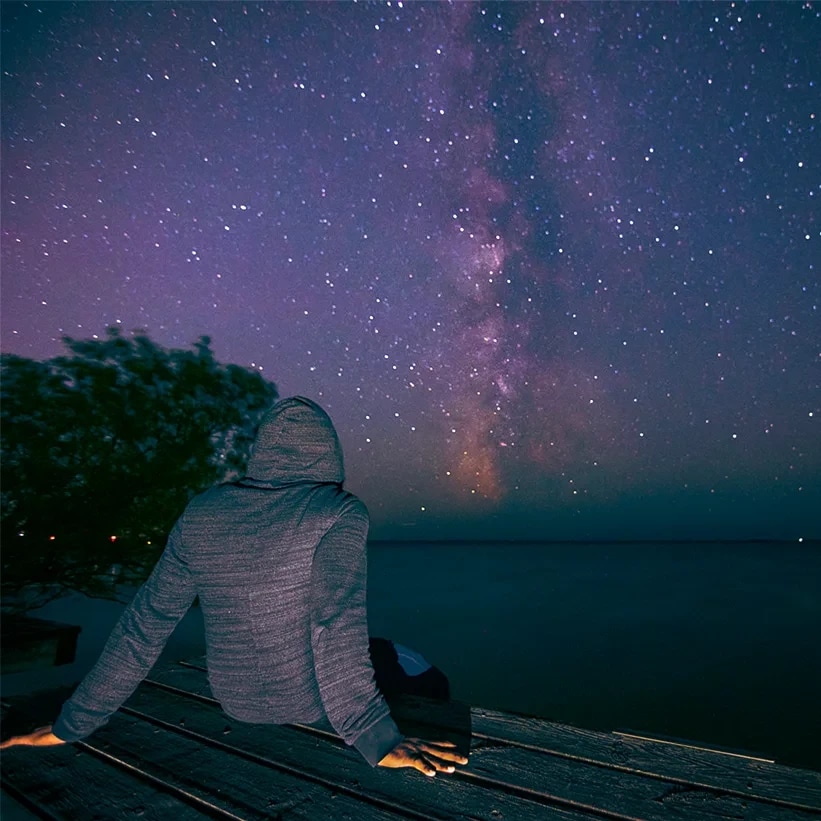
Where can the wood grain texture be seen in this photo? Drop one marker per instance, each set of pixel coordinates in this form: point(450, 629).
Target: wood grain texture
point(619, 791)
point(599, 786)
point(686, 766)
point(69, 784)
point(316, 757)
point(236, 785)
point(747, 775)
point(171, 753)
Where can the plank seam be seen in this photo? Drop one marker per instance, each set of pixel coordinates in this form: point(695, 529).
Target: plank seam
point(29, 803)
point(534, 796)
point(212, 702)
point(672, 779)
point(717, 791)
point(335, 786)
point(192, 800)
point(694, 747)
point(543, 798)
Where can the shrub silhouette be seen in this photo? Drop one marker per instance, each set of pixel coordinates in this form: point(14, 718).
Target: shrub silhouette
point(101, 450)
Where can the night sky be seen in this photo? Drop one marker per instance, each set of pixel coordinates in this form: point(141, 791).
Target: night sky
point(551, 268)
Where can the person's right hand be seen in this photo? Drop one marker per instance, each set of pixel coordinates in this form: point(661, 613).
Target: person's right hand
point(425, 756)
point(42, 737)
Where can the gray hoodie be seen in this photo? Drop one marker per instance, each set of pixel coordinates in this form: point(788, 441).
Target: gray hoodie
point(278, 561)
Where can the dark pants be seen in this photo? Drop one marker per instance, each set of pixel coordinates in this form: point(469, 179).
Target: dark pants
point(392, 680)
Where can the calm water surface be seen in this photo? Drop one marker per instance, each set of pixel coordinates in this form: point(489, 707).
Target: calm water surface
point(716, 643)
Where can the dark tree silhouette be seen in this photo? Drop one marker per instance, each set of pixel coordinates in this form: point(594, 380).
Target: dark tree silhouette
point(101, 450)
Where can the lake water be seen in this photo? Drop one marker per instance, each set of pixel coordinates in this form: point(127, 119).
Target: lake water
point(714, 643)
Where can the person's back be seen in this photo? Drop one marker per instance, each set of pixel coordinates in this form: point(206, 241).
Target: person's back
point(251, 552)
point(251, 547)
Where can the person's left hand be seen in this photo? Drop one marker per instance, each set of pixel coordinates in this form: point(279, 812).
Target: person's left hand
point(429, 757)
point(42, 737)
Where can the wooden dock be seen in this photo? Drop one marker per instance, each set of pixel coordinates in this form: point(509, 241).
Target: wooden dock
point(171, 753)
point(30, 643)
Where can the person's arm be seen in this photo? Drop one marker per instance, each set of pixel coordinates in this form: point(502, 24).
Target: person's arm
point(339, 635)
point(42, 737)
point(133, 646)
point(339, 638)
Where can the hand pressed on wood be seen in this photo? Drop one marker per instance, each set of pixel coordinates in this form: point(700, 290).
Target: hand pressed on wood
point(425, 756)
point(42, 737)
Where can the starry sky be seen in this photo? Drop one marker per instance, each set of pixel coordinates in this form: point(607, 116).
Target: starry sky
point(551, 268)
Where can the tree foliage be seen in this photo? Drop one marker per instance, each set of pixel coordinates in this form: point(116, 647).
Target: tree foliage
point(101, 450)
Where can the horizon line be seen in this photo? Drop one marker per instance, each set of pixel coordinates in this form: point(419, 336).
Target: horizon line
point(799, 540)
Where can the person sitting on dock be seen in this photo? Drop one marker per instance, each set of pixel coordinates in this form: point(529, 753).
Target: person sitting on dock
point(278, 561)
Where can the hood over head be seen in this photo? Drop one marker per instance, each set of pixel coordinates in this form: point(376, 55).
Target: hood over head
point(295, 442)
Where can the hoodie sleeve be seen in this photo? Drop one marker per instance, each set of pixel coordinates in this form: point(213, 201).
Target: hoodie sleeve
point(133, 646)
point(339, 638)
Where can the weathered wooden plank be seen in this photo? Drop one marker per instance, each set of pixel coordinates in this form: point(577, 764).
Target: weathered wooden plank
point(620, 791)
point(445, 797)
point(31, 643)
point(244, 788)
point(160, 786)
point(188, 675)
point(588, 787)
point(14, 806)
point(584, 782)
point(685, 766)
point(679, 770)
point(174, 747)
point(70, 784)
